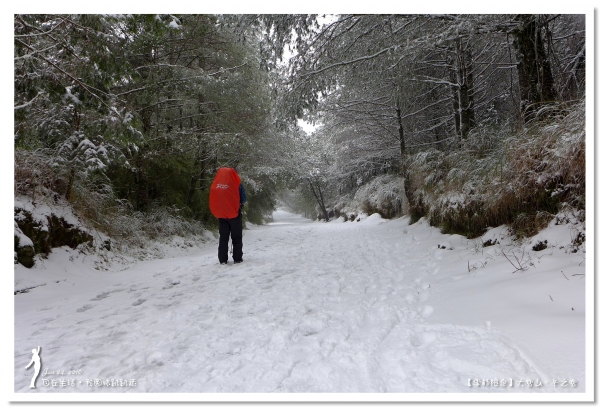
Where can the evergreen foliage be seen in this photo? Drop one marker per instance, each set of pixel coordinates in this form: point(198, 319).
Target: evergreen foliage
point(132, 115)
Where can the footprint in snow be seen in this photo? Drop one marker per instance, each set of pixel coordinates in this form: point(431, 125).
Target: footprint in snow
point(171, 284)
point(138, 302)
point(100, 297)
point(85, 308)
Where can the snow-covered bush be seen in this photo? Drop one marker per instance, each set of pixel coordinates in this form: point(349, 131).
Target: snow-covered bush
point(383, 194)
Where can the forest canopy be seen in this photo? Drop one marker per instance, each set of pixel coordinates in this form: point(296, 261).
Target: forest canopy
point(480, 118)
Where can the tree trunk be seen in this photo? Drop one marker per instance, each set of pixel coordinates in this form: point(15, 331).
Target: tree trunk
point(576, 82)
point(461, 74)
point(467, 108)
point(141, 186)
point(535, 76)
point(404, 172)
point(319, 198)
point(400, 128)
point(70, 182)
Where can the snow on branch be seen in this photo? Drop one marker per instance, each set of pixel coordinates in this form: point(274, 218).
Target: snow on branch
point(365, 58)
point(27, 104)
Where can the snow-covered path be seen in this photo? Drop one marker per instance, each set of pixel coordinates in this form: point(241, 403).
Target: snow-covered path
point(338, 307)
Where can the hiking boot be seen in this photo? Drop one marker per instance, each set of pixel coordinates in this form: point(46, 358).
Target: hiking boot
point(223, 263)
point(237, 261)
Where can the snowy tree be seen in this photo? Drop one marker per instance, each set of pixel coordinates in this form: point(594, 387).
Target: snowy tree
point(388, 87)
point(163, 99)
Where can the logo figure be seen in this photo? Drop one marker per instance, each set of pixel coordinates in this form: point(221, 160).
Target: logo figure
point(37, 364)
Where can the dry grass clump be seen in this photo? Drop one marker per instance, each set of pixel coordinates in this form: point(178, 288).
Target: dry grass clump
point(522, 181)
point(36, 177)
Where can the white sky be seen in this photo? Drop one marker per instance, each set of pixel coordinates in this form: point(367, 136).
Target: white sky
point(307, 127)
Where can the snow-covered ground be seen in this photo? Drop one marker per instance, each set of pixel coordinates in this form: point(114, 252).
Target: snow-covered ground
point(371, 306)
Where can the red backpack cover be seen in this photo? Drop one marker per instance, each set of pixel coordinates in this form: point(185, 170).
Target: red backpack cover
point(224, 198)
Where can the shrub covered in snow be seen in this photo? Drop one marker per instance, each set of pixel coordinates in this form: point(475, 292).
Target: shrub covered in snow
point(383, 195)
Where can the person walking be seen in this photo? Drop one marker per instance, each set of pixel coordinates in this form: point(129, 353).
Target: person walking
point(226, 200)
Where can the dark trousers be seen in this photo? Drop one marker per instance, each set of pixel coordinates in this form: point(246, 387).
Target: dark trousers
point(231, 227)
